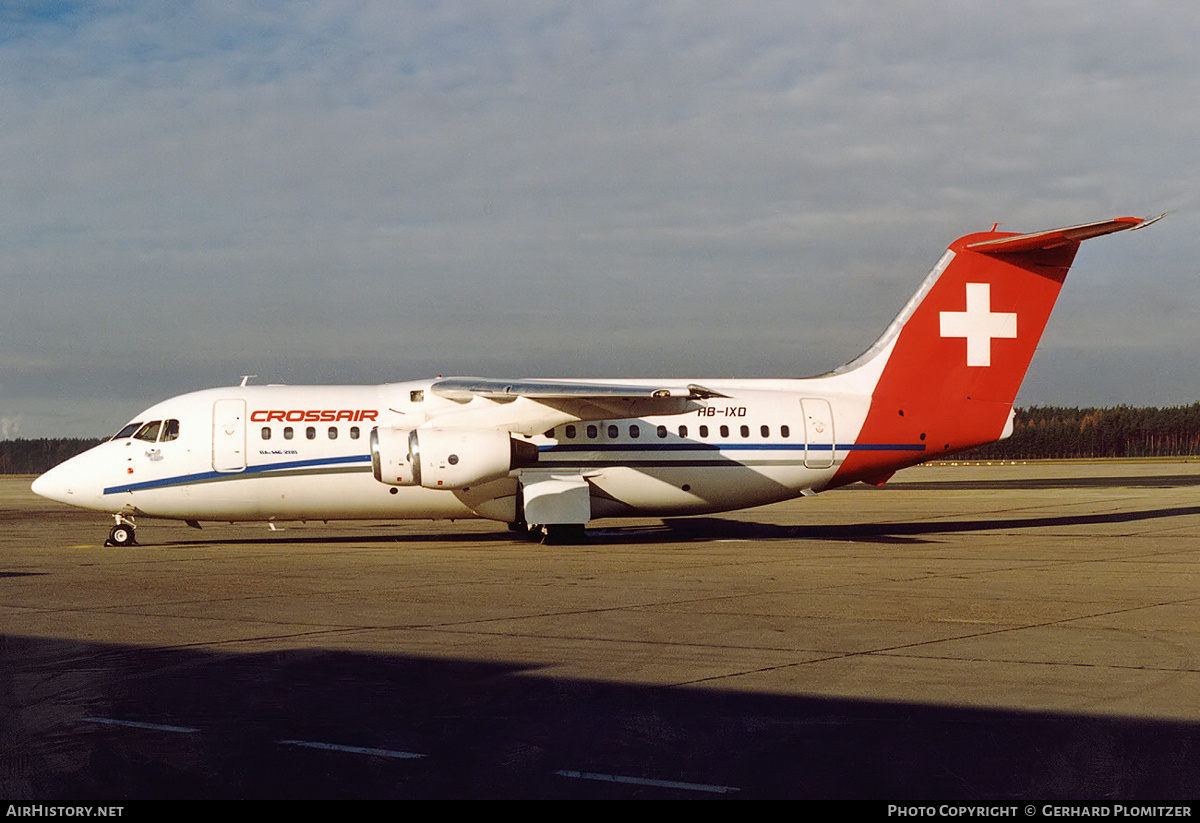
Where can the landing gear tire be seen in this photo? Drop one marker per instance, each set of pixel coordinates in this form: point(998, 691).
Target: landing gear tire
point(121, 535)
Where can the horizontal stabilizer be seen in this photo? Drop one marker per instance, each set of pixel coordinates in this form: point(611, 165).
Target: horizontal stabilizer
point(1043, 240)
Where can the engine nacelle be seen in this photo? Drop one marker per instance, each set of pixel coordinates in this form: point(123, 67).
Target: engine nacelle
point(446, 458)
point(391, 456)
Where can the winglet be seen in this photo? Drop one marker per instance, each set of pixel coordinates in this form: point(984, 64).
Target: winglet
point(1043, 240)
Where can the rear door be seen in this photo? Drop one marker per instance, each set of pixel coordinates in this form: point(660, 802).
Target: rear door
point(818, 432)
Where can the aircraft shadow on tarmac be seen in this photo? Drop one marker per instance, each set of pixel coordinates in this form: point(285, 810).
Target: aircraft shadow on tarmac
point(715, 528)
point(702, 529)
point(82, 720)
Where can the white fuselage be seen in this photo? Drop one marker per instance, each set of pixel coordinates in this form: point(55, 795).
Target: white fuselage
point(302, 453)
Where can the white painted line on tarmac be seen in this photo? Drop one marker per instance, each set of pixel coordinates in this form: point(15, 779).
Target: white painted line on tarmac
point(644, 781)
point(332, 747)
point(133, 724)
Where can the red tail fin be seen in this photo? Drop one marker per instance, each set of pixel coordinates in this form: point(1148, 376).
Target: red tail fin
point(950, 365)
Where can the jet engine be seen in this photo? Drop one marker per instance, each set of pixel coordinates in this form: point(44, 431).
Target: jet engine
point(446, 458)
point(391, 456)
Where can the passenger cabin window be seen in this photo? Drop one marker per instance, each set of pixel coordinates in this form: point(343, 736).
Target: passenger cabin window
point(333, 432)
point(634, 431)
point(784, 431)
point(683, 431)
point(612, 432)
point(662, 431)
point(592, 432)
point(570, 432)
point(724, 431)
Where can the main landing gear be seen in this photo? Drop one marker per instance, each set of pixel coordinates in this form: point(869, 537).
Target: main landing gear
point(554, 534)
point(122, 534)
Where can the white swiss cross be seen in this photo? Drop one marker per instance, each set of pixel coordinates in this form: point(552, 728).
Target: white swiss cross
point(979, 324)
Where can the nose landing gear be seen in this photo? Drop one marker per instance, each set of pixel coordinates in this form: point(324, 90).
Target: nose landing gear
point(122, 534)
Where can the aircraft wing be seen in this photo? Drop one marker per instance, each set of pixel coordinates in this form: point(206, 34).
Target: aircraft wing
point(464, 389)
point(532, 405)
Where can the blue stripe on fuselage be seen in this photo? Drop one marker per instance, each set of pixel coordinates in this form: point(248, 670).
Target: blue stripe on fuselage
point(203, 477)
point(363, 461)
point(711, 447)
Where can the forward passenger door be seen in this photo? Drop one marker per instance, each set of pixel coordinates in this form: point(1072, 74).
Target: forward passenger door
point(229, 435)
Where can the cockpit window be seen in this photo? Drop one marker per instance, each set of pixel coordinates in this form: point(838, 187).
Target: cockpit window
point(170, 430)
point(149, 432)
point(127, 431)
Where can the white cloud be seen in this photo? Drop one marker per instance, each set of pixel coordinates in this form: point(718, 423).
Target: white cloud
point(368, 189)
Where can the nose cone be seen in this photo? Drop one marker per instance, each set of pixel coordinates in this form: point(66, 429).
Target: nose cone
point(77, 482)
point(54, 485)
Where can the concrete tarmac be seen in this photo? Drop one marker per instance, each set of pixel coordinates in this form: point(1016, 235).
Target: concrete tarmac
point(1016, 633)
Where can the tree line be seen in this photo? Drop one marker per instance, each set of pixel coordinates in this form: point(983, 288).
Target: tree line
point(36, 456)
point(1040, 432)
point(1049, 432)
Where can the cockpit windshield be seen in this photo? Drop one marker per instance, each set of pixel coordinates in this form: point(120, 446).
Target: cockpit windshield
point(127, 431)
point(156, 430)
point(149, 432)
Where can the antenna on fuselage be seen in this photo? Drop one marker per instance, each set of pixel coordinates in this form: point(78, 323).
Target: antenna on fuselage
point(246, 379)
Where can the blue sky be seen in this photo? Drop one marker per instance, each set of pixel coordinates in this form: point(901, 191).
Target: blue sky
point(373, 191)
